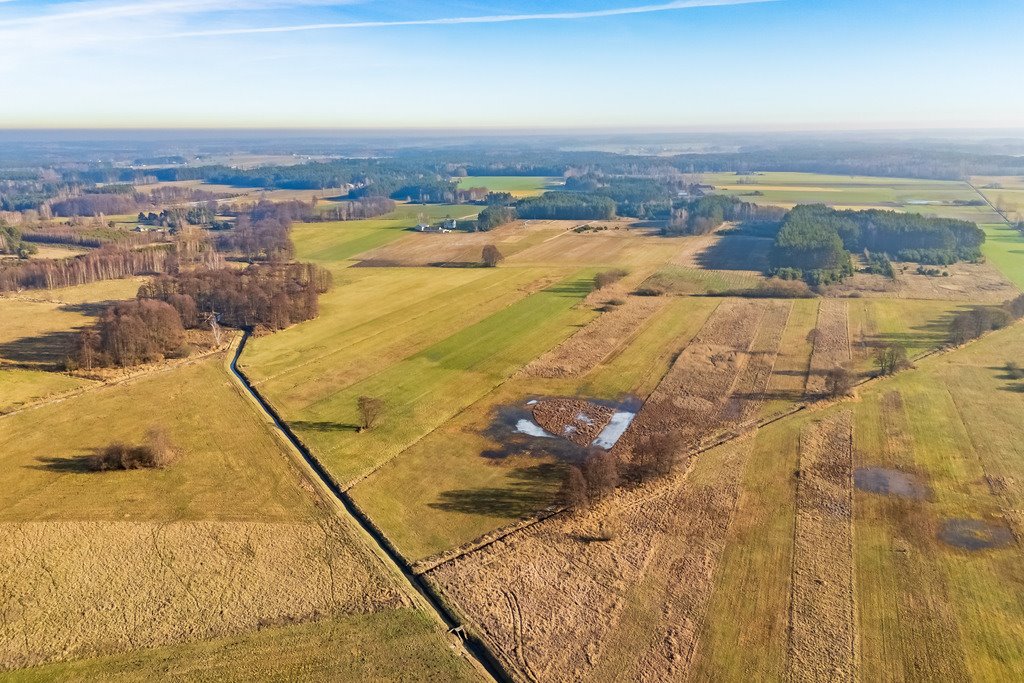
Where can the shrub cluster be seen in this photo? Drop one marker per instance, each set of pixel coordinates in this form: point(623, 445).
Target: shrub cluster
point(155, 452)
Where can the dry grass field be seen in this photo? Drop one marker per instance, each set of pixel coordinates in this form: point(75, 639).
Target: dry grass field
point(103, 563)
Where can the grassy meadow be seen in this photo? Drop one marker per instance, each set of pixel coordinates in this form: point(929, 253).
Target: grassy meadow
point(517, 186)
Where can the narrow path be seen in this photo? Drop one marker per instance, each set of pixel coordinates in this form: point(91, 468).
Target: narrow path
point(472, 648)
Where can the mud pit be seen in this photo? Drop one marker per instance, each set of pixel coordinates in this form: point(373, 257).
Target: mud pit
point(560, 427)
point(974, 534)
point(889, 482)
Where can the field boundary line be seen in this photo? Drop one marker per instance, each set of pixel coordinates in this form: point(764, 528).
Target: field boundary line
point(471, 648)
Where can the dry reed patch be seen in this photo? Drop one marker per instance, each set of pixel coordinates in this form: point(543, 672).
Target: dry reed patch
point(658, 641)
point(822, 629)
point(691, 396)
point(545, 598)
point(831, 343)
point(79, 589)
point(586, 349)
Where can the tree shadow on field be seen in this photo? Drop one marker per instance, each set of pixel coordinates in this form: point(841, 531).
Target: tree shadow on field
point(530, 490)
point(92, 308)
point(736, 252)
point(76, 464)
point(323, 426)
point(48, 349)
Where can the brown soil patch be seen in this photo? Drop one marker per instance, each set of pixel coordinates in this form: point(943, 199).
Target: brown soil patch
point(577, 420)
point(593, 344)
point(831, 343)
point(80, 589)
point(822, 635)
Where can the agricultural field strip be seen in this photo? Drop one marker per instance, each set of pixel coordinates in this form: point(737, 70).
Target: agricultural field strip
point(902, 597)
point(345, 509)
point(414, 398)
point(823, 613)
point(659, 641)
point(1012, 515)
point(831, 342)
point(494, 631)
point(408, 315)
point(597, 343)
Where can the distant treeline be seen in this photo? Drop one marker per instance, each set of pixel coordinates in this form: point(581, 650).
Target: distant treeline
point(814, 241)
point(108, 202)
point(106, 263)
point(566, 206)
point(90, 239)
point(358, 209)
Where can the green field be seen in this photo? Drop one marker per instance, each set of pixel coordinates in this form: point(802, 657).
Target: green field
point(334, 242)
point(519, 186)
point(936, 197)
point(451, 493)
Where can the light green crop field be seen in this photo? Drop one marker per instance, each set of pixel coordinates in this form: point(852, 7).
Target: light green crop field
point(518, 186)
point(334, 242)
point(923, 608)
point(425, 387)
point(919, 325)
point(342, 648)
point(1004, 247)
point(444, 490)
point(854, 192)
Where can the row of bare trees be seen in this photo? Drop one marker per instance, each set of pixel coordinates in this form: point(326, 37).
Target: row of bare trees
point(107, 263)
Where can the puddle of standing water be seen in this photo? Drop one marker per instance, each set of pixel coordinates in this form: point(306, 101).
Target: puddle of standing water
point(613, 431)
point(889, 482)
point(974, 534)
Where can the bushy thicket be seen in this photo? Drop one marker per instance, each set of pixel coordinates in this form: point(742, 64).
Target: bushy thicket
point(12, 242)
point(705, 214)
point(971, 324)
point(130, 333)
point(273, 296)
point(572, 206)
point(157, 450)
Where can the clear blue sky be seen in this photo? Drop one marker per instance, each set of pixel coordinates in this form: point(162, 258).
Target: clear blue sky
point(704, 64)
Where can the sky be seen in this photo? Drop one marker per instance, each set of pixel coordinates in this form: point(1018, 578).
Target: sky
point(561, 64)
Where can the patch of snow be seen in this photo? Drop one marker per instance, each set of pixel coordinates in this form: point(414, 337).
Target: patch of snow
point(584, 418)
point(614, 430)
point(532, 429)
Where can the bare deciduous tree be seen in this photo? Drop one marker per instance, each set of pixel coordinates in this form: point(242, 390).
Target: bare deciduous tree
point(491, 256)
point(574, 489)
point(370, 411)
point(657, 455)
point(601, 471)
point(839, 382)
